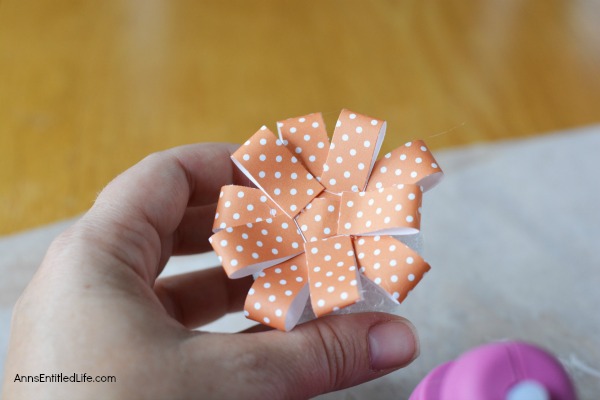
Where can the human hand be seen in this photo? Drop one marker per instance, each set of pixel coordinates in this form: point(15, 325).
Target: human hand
point(96, 306)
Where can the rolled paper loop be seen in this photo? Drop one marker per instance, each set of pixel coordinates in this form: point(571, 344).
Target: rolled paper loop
point(319, 220)
point(279, 294)
point(332, 274)
point(306, 137)
point(390, 264)
point(239, 205)
point(354, 147)
point(392, 211)
point(277, 172)
point(412, 163)
point(246, 249)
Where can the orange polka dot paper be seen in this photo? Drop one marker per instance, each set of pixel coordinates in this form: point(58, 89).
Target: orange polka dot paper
point(333, 274)
point(278, 294)
point(323, 217)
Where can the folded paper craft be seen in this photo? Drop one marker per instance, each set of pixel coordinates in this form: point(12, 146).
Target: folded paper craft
point(322, 214)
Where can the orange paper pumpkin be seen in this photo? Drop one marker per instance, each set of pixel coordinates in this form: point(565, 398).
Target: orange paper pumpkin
point(321, 216)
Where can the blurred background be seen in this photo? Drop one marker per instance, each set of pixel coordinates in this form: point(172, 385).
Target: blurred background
point(88, 88)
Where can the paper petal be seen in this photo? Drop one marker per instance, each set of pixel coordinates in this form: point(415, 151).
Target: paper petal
point(306, 137)
point(410, 163)
point(391, 211)
point(332, 274)
point(239, 205)
point(277, 172)
point(354, 147)
point(319, 220)
point(279, 294)
point(247, 249)
point(390, 264)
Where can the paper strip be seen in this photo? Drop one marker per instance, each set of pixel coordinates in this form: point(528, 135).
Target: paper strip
point(319, 220)
point(390, 264)
point(239, 205)
point(332, 274)
point(279, 294)
point(277, 172)
point(392, 211)
point(354, 147)
point(412, 163)
point(306, 137)
point(247, 249)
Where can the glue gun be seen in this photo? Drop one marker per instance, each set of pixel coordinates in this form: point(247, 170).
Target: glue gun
point(499, 371)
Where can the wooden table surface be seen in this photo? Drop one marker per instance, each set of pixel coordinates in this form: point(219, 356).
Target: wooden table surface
point(87, 88)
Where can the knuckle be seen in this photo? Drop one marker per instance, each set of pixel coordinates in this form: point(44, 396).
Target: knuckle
point(337, 354)
point(253, 365)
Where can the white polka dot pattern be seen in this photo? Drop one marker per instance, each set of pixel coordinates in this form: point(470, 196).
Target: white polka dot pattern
point(393, 211)
point(239, 205)
point(276, 171)
point(306, 137)
point(306, 232)
point(247, 249)
point(390, 264)
point(410, 163)
point(319, 220)
point(332, 274)
point(278, 295)
point(355, 143)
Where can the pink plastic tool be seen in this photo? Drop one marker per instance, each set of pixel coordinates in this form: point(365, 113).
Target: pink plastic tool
point(502, 371)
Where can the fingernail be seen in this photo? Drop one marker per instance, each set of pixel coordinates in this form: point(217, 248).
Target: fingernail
point(392, 345)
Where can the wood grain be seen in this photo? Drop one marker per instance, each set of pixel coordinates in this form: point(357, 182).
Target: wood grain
point(87, 88)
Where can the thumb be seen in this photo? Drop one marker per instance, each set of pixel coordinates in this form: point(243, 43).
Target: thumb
point(337, 352)
point(321, 356)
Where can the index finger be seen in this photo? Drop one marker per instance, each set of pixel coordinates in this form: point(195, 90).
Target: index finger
point(148, 201)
